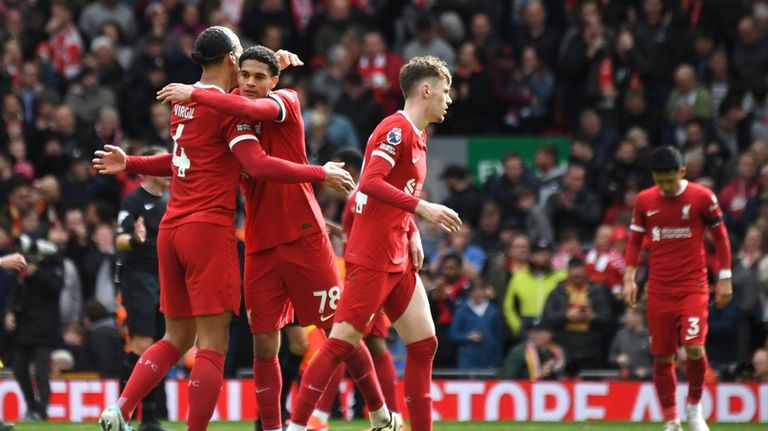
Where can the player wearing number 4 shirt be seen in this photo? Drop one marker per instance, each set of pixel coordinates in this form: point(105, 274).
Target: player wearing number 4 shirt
point(384, 245)
point(199, 273)
point(288, 254)
point(672, 217)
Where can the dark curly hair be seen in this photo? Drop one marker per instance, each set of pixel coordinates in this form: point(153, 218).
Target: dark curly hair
point(264, 55)
point(213, 44)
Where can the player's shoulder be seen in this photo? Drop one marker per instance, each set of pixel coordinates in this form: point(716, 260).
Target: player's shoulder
point(647, 194)
point(392, 129)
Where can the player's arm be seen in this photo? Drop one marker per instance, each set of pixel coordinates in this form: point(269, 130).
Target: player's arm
point(261, 166)
point(263, 109)
point(713, 218)
point(112, 160)
point(632, 254)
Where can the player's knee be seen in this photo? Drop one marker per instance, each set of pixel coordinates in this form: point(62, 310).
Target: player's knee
point(694, 352)
point(346, 332)
point(266, 345)
point(424, 349)
point(139, 344)
point(376, 345)
point(663, 358)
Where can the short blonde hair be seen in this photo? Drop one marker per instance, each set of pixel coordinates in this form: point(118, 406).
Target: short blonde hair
point(420, 68)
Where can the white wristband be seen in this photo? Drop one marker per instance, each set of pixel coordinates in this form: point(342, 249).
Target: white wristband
point(724, 273)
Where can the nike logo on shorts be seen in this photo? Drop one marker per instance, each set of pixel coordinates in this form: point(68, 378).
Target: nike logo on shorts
point(325, 318)
point(691, 337)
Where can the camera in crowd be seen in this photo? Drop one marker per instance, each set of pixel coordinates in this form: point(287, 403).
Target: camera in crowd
point(36, 249)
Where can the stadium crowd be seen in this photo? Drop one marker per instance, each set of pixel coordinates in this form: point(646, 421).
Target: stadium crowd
point(531, 285)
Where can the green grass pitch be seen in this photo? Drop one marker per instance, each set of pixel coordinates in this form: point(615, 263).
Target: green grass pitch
point(439, 426)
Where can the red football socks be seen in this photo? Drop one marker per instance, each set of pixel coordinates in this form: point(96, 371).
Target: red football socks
point(695, 370)
point(268, 383)
point(150, 370)
point(360, 366)
point(418, 383)
point(326, 400)
point(385, 370)
point(316, 378)
point(205, 383)
point(665, 382)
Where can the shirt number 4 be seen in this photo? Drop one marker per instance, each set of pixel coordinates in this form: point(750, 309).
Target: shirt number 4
point(180, 159)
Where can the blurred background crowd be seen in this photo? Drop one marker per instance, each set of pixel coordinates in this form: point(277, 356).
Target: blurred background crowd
point(530, 287)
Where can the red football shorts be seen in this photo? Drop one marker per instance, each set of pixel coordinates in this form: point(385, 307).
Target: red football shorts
point(199, 270)
point(367, 290)
point(675, 320)
point(300, 275)
point(380, 326)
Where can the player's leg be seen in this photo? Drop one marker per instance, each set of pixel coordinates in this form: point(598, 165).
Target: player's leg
point(662, 323)
point(694, 316)
point(268, 309)
point(413, 321)
point(291, 359)
point(365, 290)
point(376, 341)
point(322, 413)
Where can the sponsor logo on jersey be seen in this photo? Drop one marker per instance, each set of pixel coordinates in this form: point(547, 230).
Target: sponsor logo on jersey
point(651, 213)
point(395, 136)
point(388, 149)
point(661, 233)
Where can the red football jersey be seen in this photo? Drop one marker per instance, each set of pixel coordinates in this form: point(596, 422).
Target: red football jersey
point(348, 214)
point(205, 171)
point(280, 213)
point(378, 239)
point(673, 229)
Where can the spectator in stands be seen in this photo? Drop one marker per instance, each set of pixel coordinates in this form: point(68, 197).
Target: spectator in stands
point(358, 104)
point(503, 266)
point(329, 81)
point(549, 173)
point(529, 288)
point(96, 13)
point(427, 41)
point(605, 265)
point(630, 351)
point(617, 173)
point(158, 131)
point(746, 292)
point(502, 188)
point(13, 124)
point(111, 73)
point(750, 55)
point(482, 36)
point(733, 132)
point(636, 113)
point(379, 67)
point(98, 268)
point(689, 92)
point(540, 81)
point(602, 137)
point(697, 141)
point(536, 358)
point(719, 78)
point(476, 330)
point(569, 246)
point(536, 33)
point(760, 366)
point(577, 311)
point(88, 96)
point(65, 46)
point(574, 208)
point(449, 288)
point(488, 227)
point(735, 195)
point(340, 132)
point(104, 346)
point(464, 197)
point(473, 109)
point(723, 337)
point(328, 29)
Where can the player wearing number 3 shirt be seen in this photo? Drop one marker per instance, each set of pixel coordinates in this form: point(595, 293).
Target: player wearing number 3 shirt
point(673, 217)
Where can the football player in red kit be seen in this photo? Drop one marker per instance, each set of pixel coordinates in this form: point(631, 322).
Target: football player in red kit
point(197, 255)
point(672, 217)
point(379, 254)
point(289, 263)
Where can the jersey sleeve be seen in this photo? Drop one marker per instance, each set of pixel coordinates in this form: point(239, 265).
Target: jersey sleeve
point(158, 165)
point(290, 106)
point(711, 212)
point(388, 145)
point(638, 217)
point(636, 233)
point(235, 105)
point(128, 214)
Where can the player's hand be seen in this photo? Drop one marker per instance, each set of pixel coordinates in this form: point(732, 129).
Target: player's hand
point(174, 92)
point(14, 262)
point(334, 230)
point(475, 337)
point(723, 292)
point(630, 292)
point(439, 215)
point(140, 230)
point(110, 161)
point(417, 251)
point(337, 178)
point(287, 58)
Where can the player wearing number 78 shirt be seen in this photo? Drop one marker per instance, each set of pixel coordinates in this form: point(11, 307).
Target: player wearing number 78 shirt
point(197, 255)
point(289, 263)
point(672, 216)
